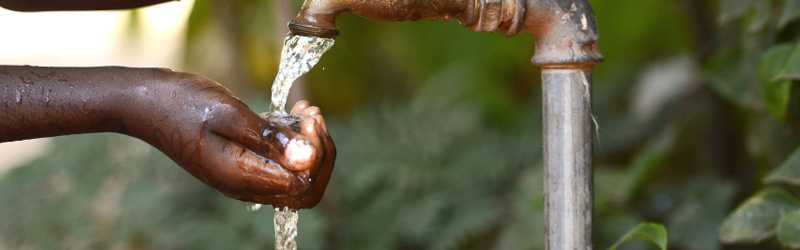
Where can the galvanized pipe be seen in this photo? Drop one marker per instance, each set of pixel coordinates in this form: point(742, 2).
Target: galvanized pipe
point(568, 138)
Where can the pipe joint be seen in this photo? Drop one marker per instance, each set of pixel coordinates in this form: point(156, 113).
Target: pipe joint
point(504, 16)
point(566, 30)
point(566, 33)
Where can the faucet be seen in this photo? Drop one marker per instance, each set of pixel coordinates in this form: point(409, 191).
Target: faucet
point(566, 30)
point(566, 50)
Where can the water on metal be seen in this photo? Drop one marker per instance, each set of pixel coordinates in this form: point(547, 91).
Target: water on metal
point(300, 54)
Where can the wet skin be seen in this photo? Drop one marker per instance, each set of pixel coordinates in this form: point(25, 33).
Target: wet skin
point(195, 121)
point(60, 5)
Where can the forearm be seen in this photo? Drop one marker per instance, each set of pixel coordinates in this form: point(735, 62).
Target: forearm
point(58, 5)
point(40, 102)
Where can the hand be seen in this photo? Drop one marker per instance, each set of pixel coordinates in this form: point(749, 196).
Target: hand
point(310, 155)
point(215, 137)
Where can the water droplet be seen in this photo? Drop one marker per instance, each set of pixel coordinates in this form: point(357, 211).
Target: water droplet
point(267, 132)
point(282, 138)
point(254, 207)
point(47, 97)
point(206, 113)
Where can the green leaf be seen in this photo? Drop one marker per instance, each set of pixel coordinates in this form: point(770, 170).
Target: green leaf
point(733, 9)
point(779, 66)
point(776, 97)
point(734, 78)
point(789, 230)
point(788, 172)
point(650, 232)
point(755, 220)
point(647, 163)
point(703, 204)
point(761, 16)
point(791, 11)
point(781, 62)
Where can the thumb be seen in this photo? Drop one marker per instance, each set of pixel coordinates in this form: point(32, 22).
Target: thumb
point(239, 124)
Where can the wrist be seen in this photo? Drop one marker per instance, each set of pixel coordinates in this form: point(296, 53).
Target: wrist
point(134, 99)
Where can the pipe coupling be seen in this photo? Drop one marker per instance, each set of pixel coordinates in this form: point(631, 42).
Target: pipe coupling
point(506, 16)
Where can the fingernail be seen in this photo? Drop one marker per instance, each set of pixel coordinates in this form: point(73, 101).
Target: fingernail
point(299, 152)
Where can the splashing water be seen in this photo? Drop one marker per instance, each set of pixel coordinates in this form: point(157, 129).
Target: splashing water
point(300, 54)
point(254, 207)
point(285, 220)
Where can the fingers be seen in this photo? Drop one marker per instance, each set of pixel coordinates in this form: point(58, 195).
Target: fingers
point(304, 108)
point(237, 123)
point(300, 155)
point(312, 130)
point(321, 122)
point(300, 106)
point(322, 176)
point(241, 171)
point(295, 152)
point(242, 174)
point(315, 127)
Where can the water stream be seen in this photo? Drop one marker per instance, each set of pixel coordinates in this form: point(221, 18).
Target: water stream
point(285, 221)
point(300, 54)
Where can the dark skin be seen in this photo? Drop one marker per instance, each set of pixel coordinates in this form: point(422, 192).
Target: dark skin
point(195, 121)
point(66, 5)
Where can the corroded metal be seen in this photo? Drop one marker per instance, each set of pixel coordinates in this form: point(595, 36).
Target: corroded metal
point(568, 137)
point(565, 30)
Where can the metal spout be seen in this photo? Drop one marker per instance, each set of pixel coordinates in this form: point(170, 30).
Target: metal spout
point(566, 30)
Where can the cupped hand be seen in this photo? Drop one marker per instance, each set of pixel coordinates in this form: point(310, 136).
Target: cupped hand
point(218, 139)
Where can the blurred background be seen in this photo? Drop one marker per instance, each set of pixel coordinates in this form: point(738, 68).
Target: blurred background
point(438, 130)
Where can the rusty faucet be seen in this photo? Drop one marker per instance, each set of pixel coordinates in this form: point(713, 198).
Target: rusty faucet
point(565, 29)
point(566, 50)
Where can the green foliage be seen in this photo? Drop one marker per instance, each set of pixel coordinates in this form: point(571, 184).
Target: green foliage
point(439, 139)
point(787, 173)
point(402, 169)
point(789, 230)
point(123, 194)
point(733, 9)
point(756, 219)
point(791, 11)
point(653, 233)
point(773, 37)
point(646, 164)
point(695, 222)
point(771, 212)
point(779, 67)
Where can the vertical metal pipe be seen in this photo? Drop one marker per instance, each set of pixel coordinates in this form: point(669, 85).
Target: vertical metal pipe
point(568, 136)
point(566, 47)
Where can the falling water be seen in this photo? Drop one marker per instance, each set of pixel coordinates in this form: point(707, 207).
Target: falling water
point(300, 54)
point(285, 221)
